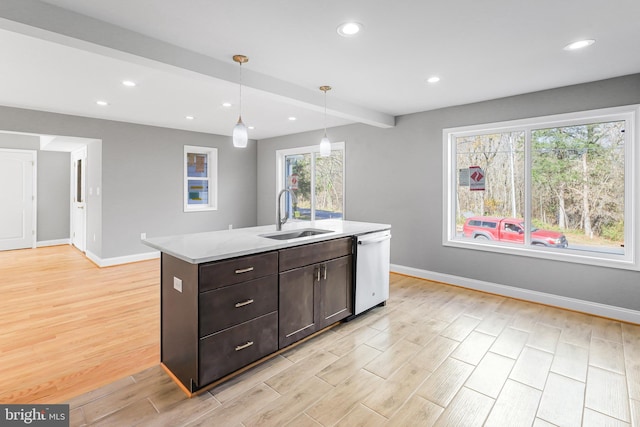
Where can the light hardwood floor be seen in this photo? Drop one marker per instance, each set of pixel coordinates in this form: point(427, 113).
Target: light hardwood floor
point(435, 355)
point(68, 327)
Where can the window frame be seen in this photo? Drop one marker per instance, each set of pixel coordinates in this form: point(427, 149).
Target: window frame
point(628, 260)
point(212, 178)
point(313, 150)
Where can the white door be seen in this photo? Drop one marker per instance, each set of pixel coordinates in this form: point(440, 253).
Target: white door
point(78, 203)
point(17, 193)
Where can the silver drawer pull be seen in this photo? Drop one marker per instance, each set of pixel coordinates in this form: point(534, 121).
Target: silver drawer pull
point(244, 270)
point(243, 303)
point(243, 346)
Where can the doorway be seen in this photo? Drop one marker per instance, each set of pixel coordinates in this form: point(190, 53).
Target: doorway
point(78, 203)
point(18, 195)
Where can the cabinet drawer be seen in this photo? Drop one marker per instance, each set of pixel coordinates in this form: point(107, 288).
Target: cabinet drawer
point(299, 256)
point(222, 273)
point(224, 307)
point(233, 348)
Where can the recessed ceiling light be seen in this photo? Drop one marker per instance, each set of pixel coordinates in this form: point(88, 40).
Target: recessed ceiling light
point(129, 83)
point(579, 44)
point(349, 29)
point(226, 104)
point(292, 118)
point(434, 79)
point(102, 103)
point(251, 127)
point(189, 117)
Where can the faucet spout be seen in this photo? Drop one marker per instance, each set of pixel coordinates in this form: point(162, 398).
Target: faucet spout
point(279, 219)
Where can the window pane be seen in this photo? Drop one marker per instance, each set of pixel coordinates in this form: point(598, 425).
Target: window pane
point(198, 192)
point(329, 197)
point(200, 178)
point(297, 172)
point(197, 164)
point(490, 186)
point(578, 184)
point(79, 189)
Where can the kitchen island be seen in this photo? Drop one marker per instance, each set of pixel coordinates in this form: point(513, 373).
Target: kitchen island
point(234, 297)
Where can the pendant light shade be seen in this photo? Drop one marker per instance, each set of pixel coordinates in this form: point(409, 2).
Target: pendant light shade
point(325, 144)
point(325, 147)
point(240, 134)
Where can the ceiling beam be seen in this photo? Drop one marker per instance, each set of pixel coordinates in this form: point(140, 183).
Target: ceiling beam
point(55, 24)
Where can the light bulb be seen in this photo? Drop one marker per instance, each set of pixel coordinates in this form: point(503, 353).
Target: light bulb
point(579, 44)
point(240, 134)
point(325, 147)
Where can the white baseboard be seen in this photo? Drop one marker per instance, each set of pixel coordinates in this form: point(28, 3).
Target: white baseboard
point(589, 307)
point(108, 262)
point(43, 243)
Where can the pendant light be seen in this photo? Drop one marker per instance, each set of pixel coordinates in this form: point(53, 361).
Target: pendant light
point(325, 144)
point(240, 135)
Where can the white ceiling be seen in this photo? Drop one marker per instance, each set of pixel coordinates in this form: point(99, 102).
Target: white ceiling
point(63, 55)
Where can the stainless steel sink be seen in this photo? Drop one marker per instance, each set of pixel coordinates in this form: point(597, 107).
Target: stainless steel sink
point(295, 234)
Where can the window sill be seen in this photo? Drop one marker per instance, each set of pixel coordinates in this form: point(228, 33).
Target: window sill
point(567, 255)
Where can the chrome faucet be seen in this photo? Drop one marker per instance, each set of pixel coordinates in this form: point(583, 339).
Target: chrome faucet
point(279, 219)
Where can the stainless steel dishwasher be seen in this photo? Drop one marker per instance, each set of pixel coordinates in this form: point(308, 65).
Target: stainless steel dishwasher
point(372, 270)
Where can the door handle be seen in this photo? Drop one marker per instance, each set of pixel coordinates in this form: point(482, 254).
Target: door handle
point(372, 241)
point(324, 270)
point(317, 271)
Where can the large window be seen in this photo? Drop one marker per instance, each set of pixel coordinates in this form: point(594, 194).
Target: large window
point(559, 187)
point(318, 182)
point(200, 178)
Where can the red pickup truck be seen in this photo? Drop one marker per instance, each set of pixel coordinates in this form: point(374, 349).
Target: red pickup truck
point(510, 230)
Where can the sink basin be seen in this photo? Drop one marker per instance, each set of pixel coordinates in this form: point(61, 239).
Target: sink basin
point(295, 234)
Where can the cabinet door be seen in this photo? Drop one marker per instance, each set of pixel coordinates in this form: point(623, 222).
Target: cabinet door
point(335, 299)
point(298, 312)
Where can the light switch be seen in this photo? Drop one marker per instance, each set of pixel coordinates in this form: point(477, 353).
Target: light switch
point(177, 284)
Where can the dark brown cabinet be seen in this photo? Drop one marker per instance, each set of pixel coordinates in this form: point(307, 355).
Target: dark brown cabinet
point(218, 317)
point(335, 291)
point(315, 288)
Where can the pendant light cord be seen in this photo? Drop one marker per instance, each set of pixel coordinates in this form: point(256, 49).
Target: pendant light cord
point(325, 113)
point(240, 103)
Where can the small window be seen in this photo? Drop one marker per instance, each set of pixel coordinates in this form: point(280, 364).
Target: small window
point(200, 178)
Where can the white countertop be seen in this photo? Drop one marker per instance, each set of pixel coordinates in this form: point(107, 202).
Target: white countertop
point(208, 246)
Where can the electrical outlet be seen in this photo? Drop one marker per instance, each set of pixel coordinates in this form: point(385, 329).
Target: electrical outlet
point(177, 284)
point(230, 226)
point(143, 236)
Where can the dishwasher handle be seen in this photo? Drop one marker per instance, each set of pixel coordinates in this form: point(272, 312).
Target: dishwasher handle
point(372, 241)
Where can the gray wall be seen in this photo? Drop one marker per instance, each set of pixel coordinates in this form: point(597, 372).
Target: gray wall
point(141, 179)
point(54, 194)
point(396, 176)
point(53, 183)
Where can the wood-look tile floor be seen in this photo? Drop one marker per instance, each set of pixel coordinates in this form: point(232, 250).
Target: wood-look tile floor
point(435, 355)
